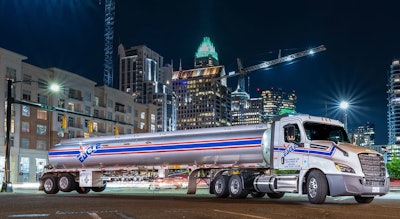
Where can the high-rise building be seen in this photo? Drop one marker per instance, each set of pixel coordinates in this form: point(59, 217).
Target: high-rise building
point(394, 109)
point(203, 98)
point(278, 102)
point(206, 55)
point(245, 110)
point(142, 74)
point(365, 135)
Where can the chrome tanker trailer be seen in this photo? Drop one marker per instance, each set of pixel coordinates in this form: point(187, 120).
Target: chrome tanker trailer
point(298, 154)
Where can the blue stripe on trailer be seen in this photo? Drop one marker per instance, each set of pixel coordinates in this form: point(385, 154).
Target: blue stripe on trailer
point(164, 148)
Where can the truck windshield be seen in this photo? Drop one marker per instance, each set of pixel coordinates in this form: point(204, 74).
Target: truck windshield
point(318, 131)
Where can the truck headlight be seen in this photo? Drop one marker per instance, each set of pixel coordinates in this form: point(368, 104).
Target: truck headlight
point(344, 168)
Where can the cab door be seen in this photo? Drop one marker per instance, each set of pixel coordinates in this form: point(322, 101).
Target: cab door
point(291, 150)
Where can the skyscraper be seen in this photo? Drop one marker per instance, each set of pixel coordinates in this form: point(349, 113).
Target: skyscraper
point(365, 135)
point(394, 108)
point(245, 110)
point(277, 102)
point(203, 98)
point(142, 74)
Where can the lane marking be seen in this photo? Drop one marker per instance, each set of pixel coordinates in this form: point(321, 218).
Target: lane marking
point(28, 215)
point(240, 214)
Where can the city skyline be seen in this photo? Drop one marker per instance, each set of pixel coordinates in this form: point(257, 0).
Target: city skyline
point(360, 41)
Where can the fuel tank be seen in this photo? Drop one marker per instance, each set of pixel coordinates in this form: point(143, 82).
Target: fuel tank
point(210, 146)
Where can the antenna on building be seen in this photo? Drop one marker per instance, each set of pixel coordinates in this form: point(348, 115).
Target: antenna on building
point(180, 64)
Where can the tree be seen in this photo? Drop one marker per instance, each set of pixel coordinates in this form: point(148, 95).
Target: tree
point(394, 167)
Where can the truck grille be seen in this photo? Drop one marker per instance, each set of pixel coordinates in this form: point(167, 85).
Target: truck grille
point(373, 167)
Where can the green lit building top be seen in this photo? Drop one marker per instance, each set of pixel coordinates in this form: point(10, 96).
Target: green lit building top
point(206, 56)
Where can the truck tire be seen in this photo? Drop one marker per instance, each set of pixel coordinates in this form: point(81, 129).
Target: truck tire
point(275, 195)
point(256, 194)
point(317, 187)
point(363, 200)
point(221, 186)
point(66, 182)
point(236, 187)
point(50, 185)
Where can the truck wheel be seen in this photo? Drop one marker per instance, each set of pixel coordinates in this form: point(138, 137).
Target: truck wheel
point(255, 194)
point(275, 195)
point(82, 190)
point(66, 182)
point(363, 200)
point(50, 185)
point(236, 187)
point(221, 186)
point(99, 189)
point(317, 187)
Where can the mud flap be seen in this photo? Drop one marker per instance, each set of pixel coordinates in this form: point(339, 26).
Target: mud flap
point(192, 185)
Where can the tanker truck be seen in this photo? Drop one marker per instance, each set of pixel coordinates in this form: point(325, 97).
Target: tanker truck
point(300, 154)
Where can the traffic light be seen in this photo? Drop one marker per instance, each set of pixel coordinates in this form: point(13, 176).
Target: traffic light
point(116, 131)
point(64, 122)
point(90, 126)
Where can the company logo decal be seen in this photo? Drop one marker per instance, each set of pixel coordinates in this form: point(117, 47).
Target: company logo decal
point(288, 149)
point(85, 152)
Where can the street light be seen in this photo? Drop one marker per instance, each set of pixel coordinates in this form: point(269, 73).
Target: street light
point(344, 105)
point(7, 185)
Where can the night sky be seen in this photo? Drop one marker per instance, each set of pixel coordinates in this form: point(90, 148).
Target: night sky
point(361, 37)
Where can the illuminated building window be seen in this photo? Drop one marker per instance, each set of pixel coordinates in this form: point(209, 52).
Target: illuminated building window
point(26, 111)
point(42, 114)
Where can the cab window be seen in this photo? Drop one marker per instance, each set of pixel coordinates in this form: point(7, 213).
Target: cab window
point(292, 133)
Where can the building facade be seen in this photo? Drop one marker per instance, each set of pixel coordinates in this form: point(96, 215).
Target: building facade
point(278, 102)
point(245, 110)
point(203, 98)
point(37, 113)
point(143, 75)
point(364, 135)
point(394, 109)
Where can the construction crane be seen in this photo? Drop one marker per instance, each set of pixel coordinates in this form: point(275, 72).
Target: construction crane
point(240, 96)
point(242, 72)
point(109, 10)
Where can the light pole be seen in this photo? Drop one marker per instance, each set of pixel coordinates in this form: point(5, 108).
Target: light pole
point(344, 105)
point(7, 185)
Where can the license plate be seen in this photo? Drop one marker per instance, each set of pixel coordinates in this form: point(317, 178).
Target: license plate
point(375, 189)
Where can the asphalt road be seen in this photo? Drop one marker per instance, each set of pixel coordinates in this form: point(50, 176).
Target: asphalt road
point(130, 203)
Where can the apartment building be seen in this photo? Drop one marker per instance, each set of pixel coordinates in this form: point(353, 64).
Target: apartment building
point(37, 113)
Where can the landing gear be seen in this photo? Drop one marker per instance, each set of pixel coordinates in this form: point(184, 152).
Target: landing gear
point(82, 190)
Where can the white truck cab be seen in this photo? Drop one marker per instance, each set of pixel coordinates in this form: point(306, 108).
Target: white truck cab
point(326, 163)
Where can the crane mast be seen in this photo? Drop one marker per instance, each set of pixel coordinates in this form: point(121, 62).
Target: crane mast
point(109, 9)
